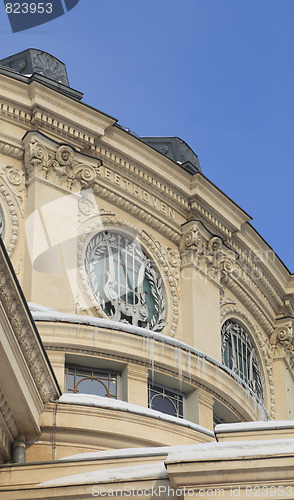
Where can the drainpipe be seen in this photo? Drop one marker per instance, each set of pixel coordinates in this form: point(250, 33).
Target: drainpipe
point(19, 450)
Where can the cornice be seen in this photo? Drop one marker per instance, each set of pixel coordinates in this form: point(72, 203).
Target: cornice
point(161, 369)
point(213, 221)
point(235, 286)
point(160, 224)
point(144, 178)
point(15, 112)
point(24, 332)
point(9, 149)
point(257, 272)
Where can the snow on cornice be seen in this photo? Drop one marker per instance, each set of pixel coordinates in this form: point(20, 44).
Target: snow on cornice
point(140, 472)
point(233, 449)
point(114, 404)
point(252, 426)
point(42, 313)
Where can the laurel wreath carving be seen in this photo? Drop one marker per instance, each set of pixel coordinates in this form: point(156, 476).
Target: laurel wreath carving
point(97, 247)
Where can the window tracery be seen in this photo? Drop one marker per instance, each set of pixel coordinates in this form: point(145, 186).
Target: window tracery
point(166, 400)
point(124, 282)
point(239, 355)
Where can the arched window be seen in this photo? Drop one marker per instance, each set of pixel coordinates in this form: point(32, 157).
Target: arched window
point(124, 282)
point(239, 355)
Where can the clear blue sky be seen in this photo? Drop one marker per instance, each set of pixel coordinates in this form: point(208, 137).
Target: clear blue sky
point(217, 73)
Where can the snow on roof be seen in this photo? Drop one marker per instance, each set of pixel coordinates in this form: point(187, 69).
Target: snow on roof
point(146, 471)
point(251, 426)
point(114, 404)
point(120, 453)
point(233, 449)
point(47, 314)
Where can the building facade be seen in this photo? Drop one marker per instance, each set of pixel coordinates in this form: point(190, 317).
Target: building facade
point(160, 320)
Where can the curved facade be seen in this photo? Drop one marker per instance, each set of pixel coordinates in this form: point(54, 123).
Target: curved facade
point(162, 311)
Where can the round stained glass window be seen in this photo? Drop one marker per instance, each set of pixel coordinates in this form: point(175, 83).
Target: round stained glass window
point(124, 281)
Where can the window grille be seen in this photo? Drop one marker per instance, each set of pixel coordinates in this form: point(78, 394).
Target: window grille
point(88, 381)
point(165, 400)
point(240, 356)
point(124, 282)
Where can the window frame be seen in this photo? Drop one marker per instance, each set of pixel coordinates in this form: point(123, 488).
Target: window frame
point(239, 354)
point(176, 392)
point(91, 370)
point(148, 309)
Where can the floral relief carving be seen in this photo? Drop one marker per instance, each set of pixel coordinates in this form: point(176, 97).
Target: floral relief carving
point(208, 253)
point(59, 165)
point(26, 337)
point(282, 339)
point(16, 181)
point(10, 215)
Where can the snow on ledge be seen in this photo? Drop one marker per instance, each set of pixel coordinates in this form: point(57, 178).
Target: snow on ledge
point(42, 313)
point(114, 404)
point(146, 471)
point(251, 426)
point(234, 449)
point(34, 307)
point(119, 453)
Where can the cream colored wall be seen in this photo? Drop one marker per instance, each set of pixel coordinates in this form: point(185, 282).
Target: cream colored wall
point(138, 188)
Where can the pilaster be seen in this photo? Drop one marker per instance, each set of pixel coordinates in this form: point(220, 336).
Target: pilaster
point(137, 384)
point(205, 261)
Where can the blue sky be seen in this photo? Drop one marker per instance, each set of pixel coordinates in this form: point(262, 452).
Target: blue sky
point(217, 73)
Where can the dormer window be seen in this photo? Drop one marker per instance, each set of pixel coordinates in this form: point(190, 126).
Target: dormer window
point(124, 282)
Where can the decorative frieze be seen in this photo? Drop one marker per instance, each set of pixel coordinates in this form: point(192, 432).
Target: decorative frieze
point(10, 213)
point(143, 178)
point(11, 150)
point(196, 208)
point(7, 416)
point(26, 335)
point(15, 113)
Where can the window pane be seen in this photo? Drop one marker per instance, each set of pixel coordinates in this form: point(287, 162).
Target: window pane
point(87, 381)
point(121, 275)
point(239, 355)
point(161, 403)
point(165, 400)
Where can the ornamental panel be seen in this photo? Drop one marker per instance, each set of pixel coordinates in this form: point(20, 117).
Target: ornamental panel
point(124, 282)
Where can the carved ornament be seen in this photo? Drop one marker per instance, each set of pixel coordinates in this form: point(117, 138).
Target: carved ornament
point(161, 262)
point(10, 213)
point(26, 336)
point(61, 164)
point(282, 339)
point(207, 253)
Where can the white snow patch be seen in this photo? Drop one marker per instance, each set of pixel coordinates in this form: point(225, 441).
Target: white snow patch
point(52, 315)
point(120, 453)
point(146, 471)
point(114, 404)
point(249, 426)
point(34, 307)
point(234, 449)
